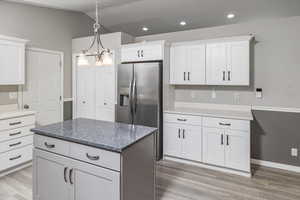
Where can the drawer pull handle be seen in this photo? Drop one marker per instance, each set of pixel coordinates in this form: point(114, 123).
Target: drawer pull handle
point(15, 123)
point(49, 146)
point(224, 124)
point(92, 157)
point(15, 144)
point(14, 134)
point(15, 158)
point(182, 120)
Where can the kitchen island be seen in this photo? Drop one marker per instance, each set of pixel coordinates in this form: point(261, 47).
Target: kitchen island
point(86, 159)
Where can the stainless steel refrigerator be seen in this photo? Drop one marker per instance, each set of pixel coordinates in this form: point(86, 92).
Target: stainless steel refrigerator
point(140, 97)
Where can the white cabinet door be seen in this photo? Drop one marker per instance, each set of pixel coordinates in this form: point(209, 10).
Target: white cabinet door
point(213, 146)
point(216, 64)
point(12, 63)
point(147, 52)
point(50, 177)
point(172, 140)
point(94, 183)
point(85, 92)
point(192, 142)
point(238, 63)
point(237, 150)
point(178, 65)
point(196, 65)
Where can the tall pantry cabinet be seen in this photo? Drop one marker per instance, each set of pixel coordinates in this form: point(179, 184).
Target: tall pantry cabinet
point(94, 87)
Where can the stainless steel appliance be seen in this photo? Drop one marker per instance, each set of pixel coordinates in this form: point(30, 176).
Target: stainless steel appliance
point(140, 96)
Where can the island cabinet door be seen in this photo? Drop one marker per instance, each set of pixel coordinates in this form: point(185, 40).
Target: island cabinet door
point(94, 183)
point(50, 176)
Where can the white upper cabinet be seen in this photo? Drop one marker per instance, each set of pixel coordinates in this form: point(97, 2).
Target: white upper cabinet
point(187, 64)
point(228, 63)
point(213, 62)
point(148, 51)
point(12, 61)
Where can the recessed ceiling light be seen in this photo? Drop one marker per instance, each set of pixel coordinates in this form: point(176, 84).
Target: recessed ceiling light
point(182, 23)
point(145, 29)
point(231, 16)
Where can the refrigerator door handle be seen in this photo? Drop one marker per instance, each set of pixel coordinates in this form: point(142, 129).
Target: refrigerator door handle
point(134, 93)
point(130, 100)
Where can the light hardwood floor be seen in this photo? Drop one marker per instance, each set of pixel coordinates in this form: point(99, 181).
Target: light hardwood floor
point(184, 182)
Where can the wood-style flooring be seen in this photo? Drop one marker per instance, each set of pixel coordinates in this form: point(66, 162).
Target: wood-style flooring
point(184, 182)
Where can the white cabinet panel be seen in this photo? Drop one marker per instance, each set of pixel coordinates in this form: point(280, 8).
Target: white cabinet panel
point(192, 142)
point(237, 151)
point(187, 66)
point(142, 52)
point(172, 140)
point(213, 146)
point(12, 61)
point(50, 177)
point(216, 63)
point(94, 183)
point(238, 63)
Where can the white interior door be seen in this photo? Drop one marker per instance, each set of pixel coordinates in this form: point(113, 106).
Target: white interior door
point(43, 89)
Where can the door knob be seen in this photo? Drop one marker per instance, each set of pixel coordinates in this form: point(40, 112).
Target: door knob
point(26, 106)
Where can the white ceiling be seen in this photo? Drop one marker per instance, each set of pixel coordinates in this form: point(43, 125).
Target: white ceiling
point(164, 15)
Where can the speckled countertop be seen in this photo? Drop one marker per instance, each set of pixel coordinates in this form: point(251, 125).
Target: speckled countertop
point(105, 135)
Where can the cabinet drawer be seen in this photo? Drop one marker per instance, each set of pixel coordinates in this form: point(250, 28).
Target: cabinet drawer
point(16, 143)
point(15, 133)
point(51, 144)
point(17, 122)
point(95, 156)
point(15, 157)
point(183, 119)
point(226, 123)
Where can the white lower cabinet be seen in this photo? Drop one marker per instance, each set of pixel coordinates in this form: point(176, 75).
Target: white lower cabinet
point(183, 141)
point(61, 178)
point(219, 142)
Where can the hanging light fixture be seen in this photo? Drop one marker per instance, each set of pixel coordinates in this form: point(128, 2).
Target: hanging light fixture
point(103, 56)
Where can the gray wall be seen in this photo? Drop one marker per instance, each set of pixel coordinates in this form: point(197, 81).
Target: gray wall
point(45, 28)
point(275, 67)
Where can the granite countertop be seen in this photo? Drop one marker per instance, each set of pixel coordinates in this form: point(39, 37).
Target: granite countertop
point(219, 113)
point(104, 135)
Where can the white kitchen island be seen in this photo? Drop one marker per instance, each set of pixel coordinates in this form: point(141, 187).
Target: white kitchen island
point(87, 159)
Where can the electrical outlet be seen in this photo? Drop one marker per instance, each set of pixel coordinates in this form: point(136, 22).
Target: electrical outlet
point(294, 152)
point(236, 97)
point(213, 94)
point(193, 94)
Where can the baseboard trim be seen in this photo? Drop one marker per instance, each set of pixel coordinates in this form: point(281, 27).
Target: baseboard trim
point(20, 167)
point(221, 169)
point(276, 165)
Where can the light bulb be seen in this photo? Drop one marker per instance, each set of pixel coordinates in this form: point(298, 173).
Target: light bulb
point(82, 60)
point(107, 59)
point(99, 61)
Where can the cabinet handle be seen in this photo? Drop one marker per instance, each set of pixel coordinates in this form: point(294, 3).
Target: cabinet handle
point(138, 53)
point(181, 120)
point(224, 124)
point(184, 76)
point(223, 75)
point(15, 144)
point(228, 75)
point(15, 123)
point(49, 146)
point(222, 139)
point(227, 140)
point(65, 174)
point(14, 134)
point(70, 176)
point(188, 76)
point(142, 53)
point(15, 158)
point(183, 133)
point(92, 157)
point(179, 133)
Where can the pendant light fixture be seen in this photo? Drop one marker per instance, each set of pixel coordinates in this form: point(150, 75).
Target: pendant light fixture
point(103, 56)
